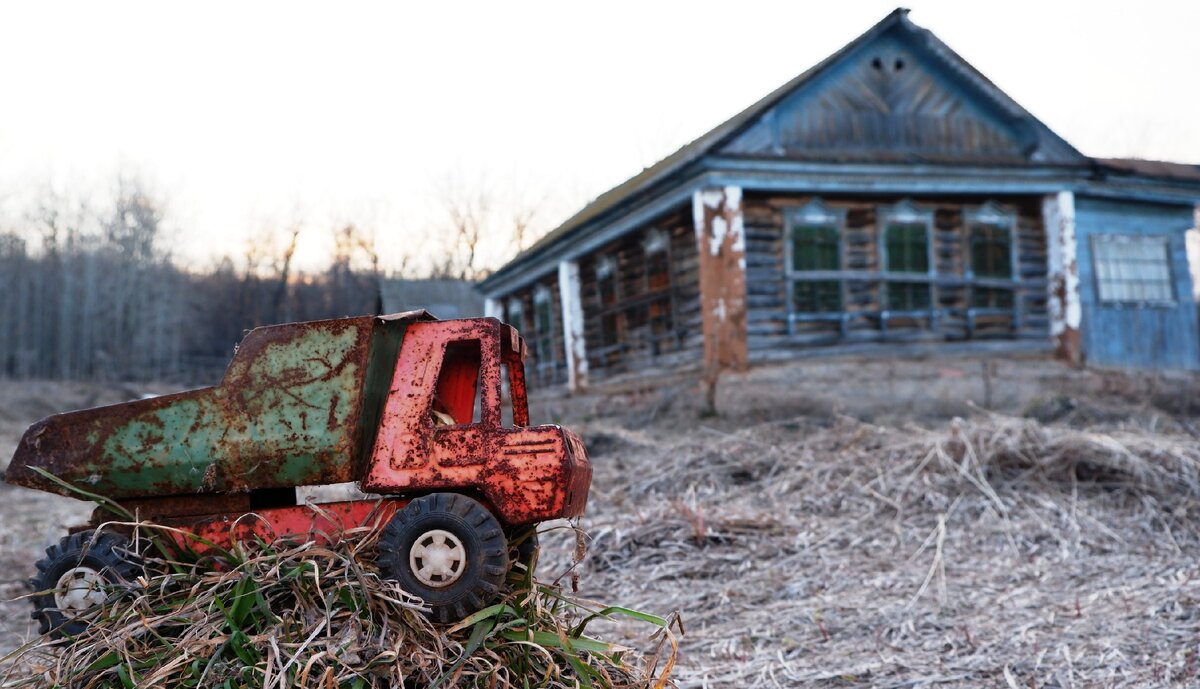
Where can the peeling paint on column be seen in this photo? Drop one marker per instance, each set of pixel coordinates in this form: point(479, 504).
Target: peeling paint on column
point(1064, 307)
point(572, 321)
point(720, 234)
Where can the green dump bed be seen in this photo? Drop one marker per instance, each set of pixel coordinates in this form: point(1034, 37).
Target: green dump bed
point(298, 405)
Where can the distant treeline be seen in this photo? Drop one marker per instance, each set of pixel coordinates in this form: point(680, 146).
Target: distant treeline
point(88, 295)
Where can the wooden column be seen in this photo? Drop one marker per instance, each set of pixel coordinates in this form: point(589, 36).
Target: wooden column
point(1065, 310)
point(572, 321)
point(720, 236)
point(492, 308)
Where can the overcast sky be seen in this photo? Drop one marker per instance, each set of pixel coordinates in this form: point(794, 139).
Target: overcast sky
point(245, 113)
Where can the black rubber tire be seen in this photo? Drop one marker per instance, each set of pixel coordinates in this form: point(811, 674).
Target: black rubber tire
point(109, 553)
point(523, 545)
point(482, 538)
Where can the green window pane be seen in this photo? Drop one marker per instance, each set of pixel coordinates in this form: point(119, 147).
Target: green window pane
point(818, 296)
point(544, 318)
point(907, 248)
point(907, 296)
point(991, 251)
point(815, 247)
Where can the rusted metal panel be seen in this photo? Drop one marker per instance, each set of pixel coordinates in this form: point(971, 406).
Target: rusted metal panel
point(321, 523)
point(1064, 307)
point(526, 474)
point(720, 236)
point(288, 412)
point(158, 509)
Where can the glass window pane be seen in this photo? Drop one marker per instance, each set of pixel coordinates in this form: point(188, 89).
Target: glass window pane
point(817, 296)
point(1132, 269)
point(907, 248)
point(907, 296)
point(991, 251)
point(815, 247)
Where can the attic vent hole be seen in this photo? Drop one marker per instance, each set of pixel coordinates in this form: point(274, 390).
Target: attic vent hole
point(899, 64)
point(877, 64)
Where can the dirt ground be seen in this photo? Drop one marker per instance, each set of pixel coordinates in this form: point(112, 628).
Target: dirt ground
point(950, 522)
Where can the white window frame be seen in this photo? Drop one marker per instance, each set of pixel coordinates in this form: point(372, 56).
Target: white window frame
point(907, 213)
point(815, 213)
point(993, 216)
point(1162, 241)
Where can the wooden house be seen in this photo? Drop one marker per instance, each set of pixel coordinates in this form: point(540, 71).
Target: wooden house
point(890, 198)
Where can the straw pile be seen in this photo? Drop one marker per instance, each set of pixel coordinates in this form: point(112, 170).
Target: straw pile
point(993, 551)
point(309, 615)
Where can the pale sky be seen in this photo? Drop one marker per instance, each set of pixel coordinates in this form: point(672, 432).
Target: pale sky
point(246, 114)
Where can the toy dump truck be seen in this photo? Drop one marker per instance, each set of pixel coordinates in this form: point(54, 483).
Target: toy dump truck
point(408, 407)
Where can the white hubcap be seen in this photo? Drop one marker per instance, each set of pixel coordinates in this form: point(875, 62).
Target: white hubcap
point(437, 558)
point(78, 590)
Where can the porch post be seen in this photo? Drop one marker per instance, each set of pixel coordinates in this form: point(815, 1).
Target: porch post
point(1065, 310)
point(492, 308)
point(572, 321)
point(720, 237)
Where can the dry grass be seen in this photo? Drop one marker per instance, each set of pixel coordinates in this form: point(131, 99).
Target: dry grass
point(993, 551)
point(807, 549)
point(311, 615)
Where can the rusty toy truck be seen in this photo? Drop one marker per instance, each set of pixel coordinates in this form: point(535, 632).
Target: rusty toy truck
point(409, 407)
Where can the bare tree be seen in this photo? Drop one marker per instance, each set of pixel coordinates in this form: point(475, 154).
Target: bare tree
point(468, 212)
point(279, 302)
point(92, 290)
point(482, 226)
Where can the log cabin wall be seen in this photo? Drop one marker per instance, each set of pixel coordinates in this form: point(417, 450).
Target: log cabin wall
point(536, 311)
point(640, 297)
point(982, 276)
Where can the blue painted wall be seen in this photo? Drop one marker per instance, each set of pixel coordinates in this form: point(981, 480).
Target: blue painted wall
point(896, 99)
point(1142, 337)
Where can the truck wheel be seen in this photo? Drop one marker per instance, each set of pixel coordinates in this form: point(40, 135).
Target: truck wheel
point(76, 576)
point(449, 550)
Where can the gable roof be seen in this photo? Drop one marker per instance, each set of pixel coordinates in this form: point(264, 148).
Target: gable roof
point(1040, 145)
point(901, 97)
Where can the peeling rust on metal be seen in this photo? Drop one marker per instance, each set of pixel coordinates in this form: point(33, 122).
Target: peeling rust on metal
point(359, 399)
